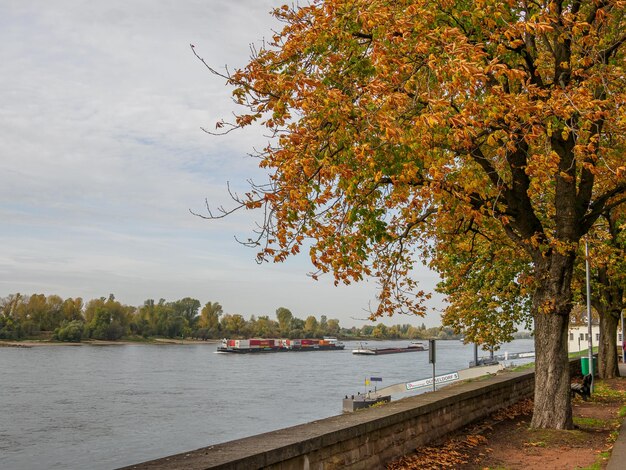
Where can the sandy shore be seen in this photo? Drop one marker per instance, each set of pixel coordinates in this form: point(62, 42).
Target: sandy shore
point(90, 342)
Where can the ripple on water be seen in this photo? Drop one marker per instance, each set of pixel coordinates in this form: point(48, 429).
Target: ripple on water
point(101, 408)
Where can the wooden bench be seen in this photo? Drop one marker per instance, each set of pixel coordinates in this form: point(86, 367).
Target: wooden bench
point(583, 389)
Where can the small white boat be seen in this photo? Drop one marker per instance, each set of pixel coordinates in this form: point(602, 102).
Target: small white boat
point(364, 351)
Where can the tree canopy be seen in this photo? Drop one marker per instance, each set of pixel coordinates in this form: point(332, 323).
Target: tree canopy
point(397, 123)
point(37, 316)
point(607, 243)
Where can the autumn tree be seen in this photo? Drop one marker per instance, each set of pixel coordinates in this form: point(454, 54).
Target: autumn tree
point(266, 328)
point(380, 331)
point(210, 318)
point(607, 253)
point(489, 297)
point(332, 327)
point(187, 309)
point(323, 324)
point(164, 318)
point(607, 270)
point(311, 326)
point(72, 309)
point(284, 317)
point(10, 325)
point(487, 282)
point(233, 324)
point(107, 318)
point(144, 322)
point(296, 328)
point(54, 314)
point(391, 118)
point(611, 287)
point(33, 314)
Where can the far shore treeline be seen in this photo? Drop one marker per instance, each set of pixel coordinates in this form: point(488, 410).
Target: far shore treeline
point(41, 316)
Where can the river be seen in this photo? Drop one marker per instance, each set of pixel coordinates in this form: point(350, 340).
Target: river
point(102, 407)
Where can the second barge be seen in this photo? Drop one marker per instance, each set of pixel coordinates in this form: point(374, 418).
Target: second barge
point(365, 351)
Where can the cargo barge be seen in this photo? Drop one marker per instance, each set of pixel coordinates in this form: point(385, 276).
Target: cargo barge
point(365, 351)
point(257, 345)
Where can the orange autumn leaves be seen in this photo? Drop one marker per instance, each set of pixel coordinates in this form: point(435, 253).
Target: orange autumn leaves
point(465, 449)
point(397, 123)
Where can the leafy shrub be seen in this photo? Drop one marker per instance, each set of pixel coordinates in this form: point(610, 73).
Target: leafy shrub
point(71, 332)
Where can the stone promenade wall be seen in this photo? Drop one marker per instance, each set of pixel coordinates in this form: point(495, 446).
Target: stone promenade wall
point(367, 439)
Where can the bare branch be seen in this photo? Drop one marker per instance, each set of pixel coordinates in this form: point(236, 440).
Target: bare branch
point(597, 207)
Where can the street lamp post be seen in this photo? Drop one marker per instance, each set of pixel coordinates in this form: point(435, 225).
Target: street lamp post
point(623, 341)
point(589, 329)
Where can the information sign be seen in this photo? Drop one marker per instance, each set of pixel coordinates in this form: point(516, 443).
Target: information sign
point(438, 380)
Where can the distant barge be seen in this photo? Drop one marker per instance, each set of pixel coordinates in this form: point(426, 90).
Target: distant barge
point(364, 351)
point(254, 345)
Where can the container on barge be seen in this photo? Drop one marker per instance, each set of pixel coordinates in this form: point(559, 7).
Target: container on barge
point(256, 345)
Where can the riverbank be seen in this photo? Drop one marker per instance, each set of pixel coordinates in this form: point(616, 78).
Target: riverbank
point(94, 342)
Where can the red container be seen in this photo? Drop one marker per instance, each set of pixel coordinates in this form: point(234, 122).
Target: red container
point(310, 342)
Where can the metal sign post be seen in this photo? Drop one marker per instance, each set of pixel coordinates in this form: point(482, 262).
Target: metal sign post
point(432, 353)
point(376, 379)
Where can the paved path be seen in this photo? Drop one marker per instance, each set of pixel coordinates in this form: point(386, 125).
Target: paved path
point(618, 456)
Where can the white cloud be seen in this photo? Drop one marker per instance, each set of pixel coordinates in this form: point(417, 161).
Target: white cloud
point(102, 156)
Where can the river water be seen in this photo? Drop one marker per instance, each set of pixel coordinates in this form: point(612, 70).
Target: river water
point(102, 407)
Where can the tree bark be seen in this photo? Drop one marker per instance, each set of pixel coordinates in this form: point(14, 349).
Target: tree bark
point(607, 350)
point(552, 407)
point(551, 307)
point(609, 303)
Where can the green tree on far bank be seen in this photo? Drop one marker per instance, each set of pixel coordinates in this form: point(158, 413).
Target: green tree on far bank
point(209, 322)
point(284, 317)
point(106, 318)
point(187, 309)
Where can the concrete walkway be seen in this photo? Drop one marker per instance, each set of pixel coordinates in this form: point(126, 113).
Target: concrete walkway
point(618, 456)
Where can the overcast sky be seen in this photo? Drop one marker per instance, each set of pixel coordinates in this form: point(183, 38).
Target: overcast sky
point(103, 156)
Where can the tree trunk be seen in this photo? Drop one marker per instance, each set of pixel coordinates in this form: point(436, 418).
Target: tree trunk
point(607, 351)
point(551, 307)
point(609, 303)
point(552, 407)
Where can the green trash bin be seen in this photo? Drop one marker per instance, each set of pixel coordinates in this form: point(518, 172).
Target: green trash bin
point(584, 365)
